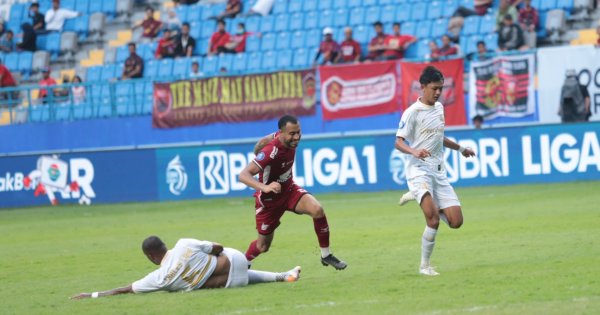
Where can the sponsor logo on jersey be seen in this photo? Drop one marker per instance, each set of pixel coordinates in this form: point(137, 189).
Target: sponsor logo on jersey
point(260, 156)
point(274, 153)
point(176, 176)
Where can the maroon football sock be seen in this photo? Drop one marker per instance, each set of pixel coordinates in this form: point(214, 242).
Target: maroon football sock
point(322, 230)
point(252, 251)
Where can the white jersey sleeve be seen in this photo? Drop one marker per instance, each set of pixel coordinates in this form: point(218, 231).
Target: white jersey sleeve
point(150, 283)
point(407, 125)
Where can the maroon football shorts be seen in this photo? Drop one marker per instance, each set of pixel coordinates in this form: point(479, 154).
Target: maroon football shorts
point(269, 210)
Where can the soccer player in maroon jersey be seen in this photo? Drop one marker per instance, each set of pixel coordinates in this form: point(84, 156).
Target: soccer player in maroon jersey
point(276, 191)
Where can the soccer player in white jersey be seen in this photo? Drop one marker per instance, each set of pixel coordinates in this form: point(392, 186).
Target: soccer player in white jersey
point(193, 265)
point(422, 125)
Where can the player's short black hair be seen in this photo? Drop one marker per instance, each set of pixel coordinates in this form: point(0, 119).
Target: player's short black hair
point(480, 42)
point(396, 24)
point(478, 118)
point(153, 244)
point(131, 44)
point(185, 24)
point(431, 74)
point(283, 121)
point(35, 4)
point(221, 21)
point(378, 24)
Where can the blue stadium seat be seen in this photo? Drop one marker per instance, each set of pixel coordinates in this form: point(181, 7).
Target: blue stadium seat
point(201, 47)
point(122, 53)
point(547, 5)
point(471, 44)
point(16, 12)
point(279, 7)
point(82, 6)
point(311, 20)
point(124, 92)
point(82, 26)
point(148, 98)
point(491, 41)
point(294, 6)
point(93, 74)
point(284, 59)
point(39, 113)
point(283, 40)
point(95, 6)
point(439, 27)
point(69, 25)
point(282, 22)
point(68, 4)
point(325, 5)
point(182, 12)
point(301, 58)
point(254, 62)
point(326, 19)
point(313, 38)
point(354, 3)
point(62, 112)
point(541, 33)
point(487, 24)
point(341, 17)
point(403, 12)
point(367, 3)
point(423, 29)
point(435, 10)
point(239, 62)
point(298, 40)
point(105, 106)
point(296, 21)
point(215, 9)
point(471, 25)
point(565, 5)
point(253, 24)
point(267, 24)
point(418, 49)
point(206, 12)
point(83, 111)
point(469, 4)
point(194, 13)
point(269, 61)
point(357, 16)
point(388, 14)
point(386, 2)
point(252, 44)
point(210, 65)
point(181, 67)
point(409, 28)
point(449, 7)
point(361, 34)
point(53, 43)
point(225, 61)
point(25, 61)
point(268, 42)
point(11, 61)
point(165, 68)
point(419, 11)
point(150, 69)
point(310, 5)
point(208, 28)
point(108, 72)
point(195, 30)
point(372, 15)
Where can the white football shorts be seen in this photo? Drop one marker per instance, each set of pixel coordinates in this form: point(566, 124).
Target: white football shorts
point(238, 271)
point(434, 182)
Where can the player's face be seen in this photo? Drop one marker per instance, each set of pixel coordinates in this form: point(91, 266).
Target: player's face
point(291, 134)
point(432, 92)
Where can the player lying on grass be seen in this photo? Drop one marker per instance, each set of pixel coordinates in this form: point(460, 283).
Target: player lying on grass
point(276, 191)
point(193, 265)
point(422, 125)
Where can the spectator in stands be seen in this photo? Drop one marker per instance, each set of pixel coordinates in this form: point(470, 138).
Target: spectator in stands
point(56, 16)
point(447, 49)
point(574, 100)
point(328, 48)
point(482, 53)
point(7, 81)
point(196, 73)
point(510, 35)
point(29, 38)
point(172, 23)
point(47, 80)
point(261, 7)
point(218, 38)
point(350, 50)
point(505, 9)
point(62, 92)
point(376, 45)
point(237, 42)
point(185, 43)
point(233, 8)
point(185, 2)
point(433, 48)
point(477, 121)
point(37, 19)
point(528, 19)
point(166, 46)
point(150, 26)
point(396, 44)
point(134, 65)
point(7, 42)
point(2, 28)
point(78, 90)
point(457, 20)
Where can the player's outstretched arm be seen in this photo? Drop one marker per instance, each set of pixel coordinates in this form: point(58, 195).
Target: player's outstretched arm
point(116, 291)
point(263, 142)
point(466, 152)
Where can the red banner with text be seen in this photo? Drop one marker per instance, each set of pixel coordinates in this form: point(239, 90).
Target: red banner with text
point(234, 98)
point(452, 94)
point(359, 90)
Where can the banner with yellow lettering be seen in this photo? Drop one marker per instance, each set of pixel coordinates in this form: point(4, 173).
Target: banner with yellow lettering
point(234, 98)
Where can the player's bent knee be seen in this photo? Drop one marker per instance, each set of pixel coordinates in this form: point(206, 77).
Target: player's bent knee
point(318, 213)
point(433, 222)
point(456, 224)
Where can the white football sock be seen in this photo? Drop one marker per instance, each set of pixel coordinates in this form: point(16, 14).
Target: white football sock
point(256, 276)
point(444, 218)
point(427, 243)
point(325, 252)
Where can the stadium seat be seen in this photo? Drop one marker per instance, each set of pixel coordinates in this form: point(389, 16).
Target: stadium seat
point(253, 24)
point(326, 19)
point(82, 6)
point(181, 67)
point(239, 62)
point(388, 14)
point(269, 61)
point(202, 47)
point(165, 68)
point(339, 4)
point(122, 53)
point(423, 29)
point(150, 69)
point(367, 3)
point(68, 4)
point(566, 5)
point(284, 59)
point(96, 23)
point(386, 2)
point(282, 22)
point(409, 28)
point(148, 98)
point(354, 3)
point(449, 7)
point(93, 74)
point(298, 40)
point(254, 62)
point(357, 16)
point(16, 11)
point(25, 62)
point(325, 5)
point(69, 25)
point(210, 65)
point(403, 12)
point(311, 20)
point(225, 61)
point(471, 44)
point(194, 13)
point(182, 13)
point(68, 42)
point(125, 100)
point(547, 5)
point(341, 17)
point(283, 40)
point(268, 42)
point(294, 6)
point(435, 9)
point(53, 43)
point(83, 111)
point(252, 43)
point(372, 14)
point(310, 5)
point(419, 11)
point(471, 25)
point(267, 24)
point(491, 41)
point(62, 112)
point(301, 58)
point(313, 38)
point(124, 7)
point(439, 27)
point(360, 34)
point(208, 28)
point(95, 6)
point(108, 73)
point(82, 25)
point(39, 113)
point(279, 7)
point(297, 21)
point(40, 60)
point(487, 24)
point(418, 50)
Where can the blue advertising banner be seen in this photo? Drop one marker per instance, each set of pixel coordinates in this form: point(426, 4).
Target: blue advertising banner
point(517, 155)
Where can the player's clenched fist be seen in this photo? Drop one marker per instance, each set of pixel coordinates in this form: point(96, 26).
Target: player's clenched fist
point(468, 152)
point(421, 153)
point(273, 187)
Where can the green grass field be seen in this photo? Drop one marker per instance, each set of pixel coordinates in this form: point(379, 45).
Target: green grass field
point(530, 249)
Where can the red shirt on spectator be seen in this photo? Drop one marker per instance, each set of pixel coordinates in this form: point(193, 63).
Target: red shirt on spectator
point(528, 16)
point(6, 78)
point(327, 49)
point(241, 38)
point(165, 48)
point(377, 40)
point(151, 28)
point(350, 50)
point(396, 41)
point(217, 40)
point(46, 82)
point(444, 52)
